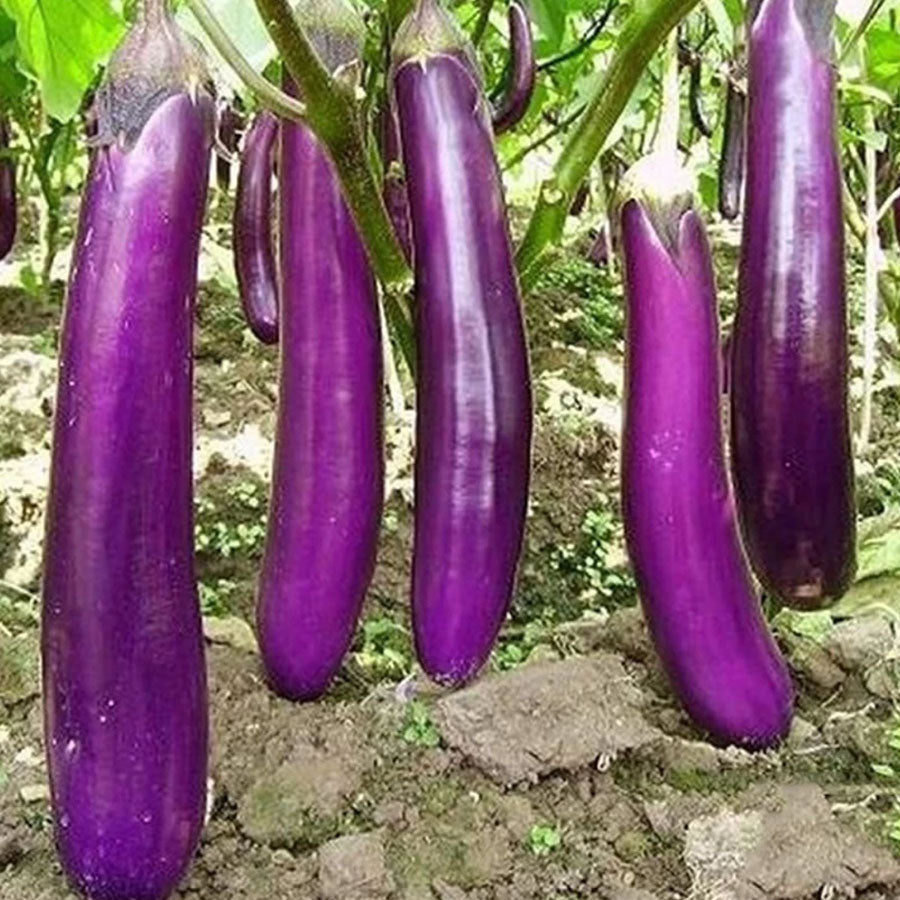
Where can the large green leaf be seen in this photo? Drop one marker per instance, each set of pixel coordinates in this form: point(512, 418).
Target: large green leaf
point(61, 43)
point(550, 16)
point(11, 81)
point(883, 58)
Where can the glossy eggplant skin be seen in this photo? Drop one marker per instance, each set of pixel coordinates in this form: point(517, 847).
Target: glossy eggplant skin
point(254, 256)
point(328, 479)
point(474, 412)
point(680, 525)
point(522, 72)
point(731, 161)
point(792, 460)
point(123, 664)
point(8, 211)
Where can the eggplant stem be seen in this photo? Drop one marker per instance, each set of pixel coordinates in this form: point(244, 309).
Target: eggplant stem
point(646, 28)
point(391, 373)
point(268, 94)
point(333, 115)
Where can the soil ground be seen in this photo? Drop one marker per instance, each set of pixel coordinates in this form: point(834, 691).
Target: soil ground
point(566, 771)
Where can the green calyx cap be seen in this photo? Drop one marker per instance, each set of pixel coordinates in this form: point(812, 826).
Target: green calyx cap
point(335, 29)
point(429, 29)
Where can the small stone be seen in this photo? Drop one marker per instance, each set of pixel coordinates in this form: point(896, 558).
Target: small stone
point(34, 793)
point(802, 733)
point(230, 631)
point(881, 680)
point(283, 858)
point(678, 755)
point(216, 418)
point(390, 812)
point(813, 663)
point(860, 642)
point(353, 867)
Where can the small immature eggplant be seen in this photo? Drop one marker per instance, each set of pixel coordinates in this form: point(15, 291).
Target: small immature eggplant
point(731, 160)
point(7, 191)
point(328, 482)
point(473, 425)
point(792, 458)
point(522, 71)
point(254, 257)
point(125, 709)
point(680, 525)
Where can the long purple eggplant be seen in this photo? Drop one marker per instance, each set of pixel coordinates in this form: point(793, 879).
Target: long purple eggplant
point(254, 258)
point(792, 457)
point(473, 424)
point(731, 160)
point(695, 99)
point(680, 524)
point(125, 709)
point(327, 487)
point(522, 71)
point(7, 191)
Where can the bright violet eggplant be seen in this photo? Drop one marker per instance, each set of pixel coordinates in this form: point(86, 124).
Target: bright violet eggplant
point(680, 525)
point(7, 191)
point(254, 258)
point(474, 418)
point(327, 489)
point(793, 465)
point(522, 71)
point(125, 704)
point(731, 160)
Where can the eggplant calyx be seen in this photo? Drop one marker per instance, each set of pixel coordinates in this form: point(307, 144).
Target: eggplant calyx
point(432, 31)
point(337, 33)
point(664, 189)
point(155, 60)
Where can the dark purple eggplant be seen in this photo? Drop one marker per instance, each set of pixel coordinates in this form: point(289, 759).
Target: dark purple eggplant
point(695, 99)
point(680, 525)
point(231, 126)
point(8, 212)
point(522, 71)
point(473, 426)
point(125, 708)
point(580, 200)
point(793, 465)
point(731, 161)
point(328, 481)
point(254, 258)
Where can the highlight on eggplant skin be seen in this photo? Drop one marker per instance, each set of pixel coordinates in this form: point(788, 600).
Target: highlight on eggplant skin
point(680, 526)
point(254, 255)
point(522, 72)
point(328, 472)
point(124, 683)
point(473, 428)
point(8, 210)
point(792, 458)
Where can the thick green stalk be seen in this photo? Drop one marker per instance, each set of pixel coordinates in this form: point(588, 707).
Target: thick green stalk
point(333, 115)
point(645, 30)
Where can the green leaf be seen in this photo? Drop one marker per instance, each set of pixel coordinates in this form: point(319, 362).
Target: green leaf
point(721, 17)
point(881, 593)
point(62, 42)
point(550, 17)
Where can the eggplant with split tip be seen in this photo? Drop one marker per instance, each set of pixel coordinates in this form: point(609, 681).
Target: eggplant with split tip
point(254, 257)
point(125, 708)
point(792, 458)
point(680, 525)
point(473, 424)
point(328, 480)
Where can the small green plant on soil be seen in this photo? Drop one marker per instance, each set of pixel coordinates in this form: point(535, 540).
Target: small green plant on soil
point(544, 839)
point(216, 598)
point(418, 728)
point(235, 526)
point(386, 651)
point(889, 770)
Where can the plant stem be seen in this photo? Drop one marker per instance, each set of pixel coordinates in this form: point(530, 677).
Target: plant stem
point(873, 252)
point(398, 10)
point(588, 38)
point(645, 30)
point(268, 94)
point(670, 103)
point(873, 10)
point(888, 204)
point(484, 17)
point(333, 116)
point(545, 138)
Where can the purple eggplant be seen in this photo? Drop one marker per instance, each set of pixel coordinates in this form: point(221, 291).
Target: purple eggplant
point(792, 459)
point(231, 125)
point(522, 71)
point(7, 191)
point(254, 258)
point(327, 487)
point(695, 99)
point(680, 525)
point(600, 251)
point(473, 425)
point(125, 709)
point(394, 182)
point(731, 160)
